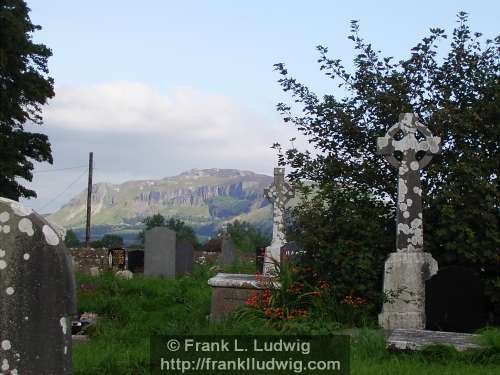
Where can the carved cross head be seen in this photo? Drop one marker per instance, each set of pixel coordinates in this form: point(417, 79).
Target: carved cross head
point(408, 143)
point(280, 191)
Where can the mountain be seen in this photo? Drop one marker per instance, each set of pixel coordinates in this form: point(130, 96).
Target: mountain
point(203, 199)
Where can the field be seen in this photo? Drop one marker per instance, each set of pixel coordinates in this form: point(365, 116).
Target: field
point(132, 310)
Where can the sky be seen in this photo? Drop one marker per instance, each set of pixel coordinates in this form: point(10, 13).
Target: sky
point(155, 88)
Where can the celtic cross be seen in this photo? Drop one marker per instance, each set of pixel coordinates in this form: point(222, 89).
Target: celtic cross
point(409, 146)
point(279, 193)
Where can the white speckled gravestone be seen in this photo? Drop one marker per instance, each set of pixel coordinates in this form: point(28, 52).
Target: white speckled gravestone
point(279, 193)
point(407, 269)
point(37, 294)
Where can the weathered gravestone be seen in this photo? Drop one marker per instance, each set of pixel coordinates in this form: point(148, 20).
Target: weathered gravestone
point(184, 258)
point(407, 269)
point(164, 255)
point(159, 252)
point(279, 193)
point(227, 249)
point(37, 294)
point(455, 301)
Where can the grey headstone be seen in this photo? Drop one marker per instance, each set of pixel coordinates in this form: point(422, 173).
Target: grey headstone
point(228, 250)
point(159, 252)
point(184, 258)
point(37, 294)
point(407, 269)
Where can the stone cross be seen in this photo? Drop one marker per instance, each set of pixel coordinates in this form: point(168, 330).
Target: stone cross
point(279, 193)
point(408, 146)
point(37, 294)
point(409, 236)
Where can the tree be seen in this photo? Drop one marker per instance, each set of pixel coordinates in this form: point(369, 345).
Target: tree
point(347, 225)
point(111, 241)
point(71, 240)
point(24, 87)
point(183, 231)
point(245, 236)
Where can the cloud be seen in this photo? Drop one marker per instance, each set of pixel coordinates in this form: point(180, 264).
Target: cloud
point(137, 132)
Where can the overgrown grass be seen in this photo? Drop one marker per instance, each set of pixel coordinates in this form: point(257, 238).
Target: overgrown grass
point(131, 311)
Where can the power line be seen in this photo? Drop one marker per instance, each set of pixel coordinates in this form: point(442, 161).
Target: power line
point(64, 191)
point(60, 169)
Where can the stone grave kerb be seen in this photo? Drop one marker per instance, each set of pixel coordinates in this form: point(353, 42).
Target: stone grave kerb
point(279, 193)
point(409, 147)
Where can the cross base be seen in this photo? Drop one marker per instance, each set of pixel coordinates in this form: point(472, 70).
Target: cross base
point(272, 255)
point(404, 286)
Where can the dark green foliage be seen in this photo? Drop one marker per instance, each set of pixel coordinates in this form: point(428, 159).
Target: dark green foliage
point(184, 232)
point(344, 225)
point(24, 88)
point(108, 241)
point(245, 236)
point(71, 240)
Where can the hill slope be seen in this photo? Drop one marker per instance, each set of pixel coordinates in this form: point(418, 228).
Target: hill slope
point(202, 198)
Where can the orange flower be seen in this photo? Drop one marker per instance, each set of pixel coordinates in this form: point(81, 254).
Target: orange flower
point(324, 285)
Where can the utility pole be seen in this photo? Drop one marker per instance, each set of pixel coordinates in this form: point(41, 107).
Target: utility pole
point(89, 200)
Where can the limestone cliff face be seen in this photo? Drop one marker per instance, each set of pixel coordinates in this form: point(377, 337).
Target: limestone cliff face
point(196, 196)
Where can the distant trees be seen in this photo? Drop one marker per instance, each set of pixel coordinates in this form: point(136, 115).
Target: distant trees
point(348, 224)
point(71, 240)
point(108, 241)
point(245, 236)
point(24, 87)
point(184, 232)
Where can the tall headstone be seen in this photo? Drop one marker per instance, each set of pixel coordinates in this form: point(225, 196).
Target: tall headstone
point(159, 252)
point(279, 193)
point(409, 147)
point(184, 258)
point(37, 294)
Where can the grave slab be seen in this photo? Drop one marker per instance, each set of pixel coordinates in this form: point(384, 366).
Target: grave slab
point(415, 339)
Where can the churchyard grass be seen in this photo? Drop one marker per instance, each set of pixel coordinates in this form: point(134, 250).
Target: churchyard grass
point(132, 310)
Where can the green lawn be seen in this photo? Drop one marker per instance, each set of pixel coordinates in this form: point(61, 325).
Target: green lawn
point(132, 310)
